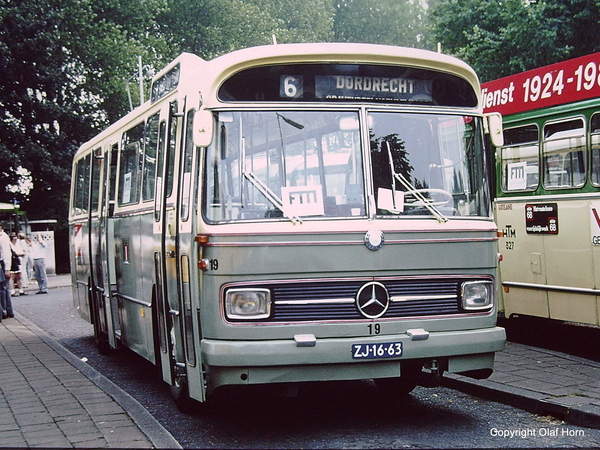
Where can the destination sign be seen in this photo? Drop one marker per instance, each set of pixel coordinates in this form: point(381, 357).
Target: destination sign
point(370, 88)
point(348, 82)
point(541, 218)
point(568, 81)
point(165, 84)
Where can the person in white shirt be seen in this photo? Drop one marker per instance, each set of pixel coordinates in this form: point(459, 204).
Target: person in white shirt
point(26, 262)
point(39, 263)
point(17, 266)
point(5, 262)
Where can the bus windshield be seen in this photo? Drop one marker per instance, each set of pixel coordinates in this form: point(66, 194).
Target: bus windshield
point(303, 165)
point(428, 164)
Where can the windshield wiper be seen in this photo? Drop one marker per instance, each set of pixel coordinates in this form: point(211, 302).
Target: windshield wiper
point(411, 190)
point(264, 189)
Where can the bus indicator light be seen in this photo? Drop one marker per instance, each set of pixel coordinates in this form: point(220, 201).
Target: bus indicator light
point(202, 239)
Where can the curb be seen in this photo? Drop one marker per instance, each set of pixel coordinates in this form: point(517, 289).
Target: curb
point(154, 431)
point(534, 402)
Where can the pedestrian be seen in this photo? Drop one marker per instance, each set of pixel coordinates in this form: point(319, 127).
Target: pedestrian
point(5, 262)
point(29, 255)
point(26, 261)
point(15, 269)
point(39, 263)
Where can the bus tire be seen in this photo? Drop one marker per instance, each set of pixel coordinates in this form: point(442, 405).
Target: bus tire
point(100, 337)
point(181, 396)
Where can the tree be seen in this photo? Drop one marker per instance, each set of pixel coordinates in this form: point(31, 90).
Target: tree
point(64, 67)
point(392, 22)
point(210, 28)
point(305, 21)
point(503, 37)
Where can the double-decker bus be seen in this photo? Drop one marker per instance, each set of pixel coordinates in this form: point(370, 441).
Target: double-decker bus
point(293, 213)
point(548, 190)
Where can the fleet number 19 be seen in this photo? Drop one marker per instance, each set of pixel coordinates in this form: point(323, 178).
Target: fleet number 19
point(374, 328)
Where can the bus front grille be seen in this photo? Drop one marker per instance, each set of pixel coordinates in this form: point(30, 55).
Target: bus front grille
point(323, 301)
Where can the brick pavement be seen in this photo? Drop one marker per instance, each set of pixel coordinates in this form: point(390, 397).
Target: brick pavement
point(51, 399)
point(541, 381)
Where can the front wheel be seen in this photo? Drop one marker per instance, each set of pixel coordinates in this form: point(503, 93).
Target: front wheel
point(100, 336)
point(181, 397)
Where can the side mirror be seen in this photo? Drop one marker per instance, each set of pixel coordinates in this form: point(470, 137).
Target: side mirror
point(203, 128)
point(494, 123)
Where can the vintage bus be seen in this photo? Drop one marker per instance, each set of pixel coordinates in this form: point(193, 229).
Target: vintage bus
point(548, 190)
point(293, 213)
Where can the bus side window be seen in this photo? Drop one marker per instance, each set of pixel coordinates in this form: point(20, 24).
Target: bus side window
point(160, 162)
point(564, 154)
point(130, 167)
point(520, 159)
point(595, 148)
point(187, 166)
point(82, 187)
point(112, 175)
point(96, 170)
point(150, 151)
point(170, 155)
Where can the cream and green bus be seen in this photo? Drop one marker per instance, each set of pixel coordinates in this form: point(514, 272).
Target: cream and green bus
point(548, 190)
point(294, 213)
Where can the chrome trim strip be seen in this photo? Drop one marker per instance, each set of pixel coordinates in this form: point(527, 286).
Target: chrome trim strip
point(408, 298)
point(361, 242)
point(339, 301)
point(361, 231)
point(530, 198)
point(545, 287)
point(365, 320)
point(133, 300)
point(133, 212)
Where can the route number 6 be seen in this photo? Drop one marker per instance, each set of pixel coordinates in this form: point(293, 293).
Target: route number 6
point(292, 86)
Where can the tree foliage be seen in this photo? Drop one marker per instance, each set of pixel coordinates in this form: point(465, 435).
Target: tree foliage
point(503, 37)
point(210, 28)
point(63, 65)
point(389, 22)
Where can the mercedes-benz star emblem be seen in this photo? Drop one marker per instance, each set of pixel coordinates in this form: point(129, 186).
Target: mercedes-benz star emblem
point(374, 239)
point(372, 300)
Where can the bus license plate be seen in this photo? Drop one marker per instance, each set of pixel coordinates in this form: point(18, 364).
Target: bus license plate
point(379, 350)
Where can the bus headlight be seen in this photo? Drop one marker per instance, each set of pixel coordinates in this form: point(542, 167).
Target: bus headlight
point(477, 295)
point(248, 303)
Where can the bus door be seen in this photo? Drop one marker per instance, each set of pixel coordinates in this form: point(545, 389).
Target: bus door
point(106, 246)
point(165, 255)
point(186, 253)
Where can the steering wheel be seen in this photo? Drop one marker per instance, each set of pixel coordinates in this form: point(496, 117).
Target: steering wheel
point(435, 197)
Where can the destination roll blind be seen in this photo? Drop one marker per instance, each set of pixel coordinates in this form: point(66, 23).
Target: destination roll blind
point(324, 82)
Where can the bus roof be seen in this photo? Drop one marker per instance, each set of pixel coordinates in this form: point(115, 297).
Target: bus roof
point(560, 83)
point(189, 69)
point(235, 61)
point(193, 68)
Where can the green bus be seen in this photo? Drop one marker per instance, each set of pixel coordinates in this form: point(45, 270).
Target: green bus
point(548, 190)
